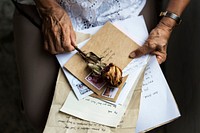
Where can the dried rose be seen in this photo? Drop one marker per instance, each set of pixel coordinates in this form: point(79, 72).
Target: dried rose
point(113, 74)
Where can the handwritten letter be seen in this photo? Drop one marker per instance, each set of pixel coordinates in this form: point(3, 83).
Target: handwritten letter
point(157, 102)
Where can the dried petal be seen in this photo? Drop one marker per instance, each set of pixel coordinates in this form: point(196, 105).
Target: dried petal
point(97, 67)
point(113, 74)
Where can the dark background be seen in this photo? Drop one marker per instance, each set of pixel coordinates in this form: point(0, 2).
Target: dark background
point(11, 120)
point(182, 70)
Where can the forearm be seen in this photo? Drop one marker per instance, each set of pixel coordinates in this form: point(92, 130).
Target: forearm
point(158, 38)
point(46, 4)
point(177, 7)
point(49, 7)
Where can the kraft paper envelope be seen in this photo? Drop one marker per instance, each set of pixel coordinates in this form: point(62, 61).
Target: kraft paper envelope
point(80, 37)
point(109, 43)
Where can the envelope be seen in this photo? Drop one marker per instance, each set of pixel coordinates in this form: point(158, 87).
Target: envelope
point(109, 43)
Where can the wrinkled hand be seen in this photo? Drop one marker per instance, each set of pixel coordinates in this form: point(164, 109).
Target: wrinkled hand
point(58, 32)
point(156, 43)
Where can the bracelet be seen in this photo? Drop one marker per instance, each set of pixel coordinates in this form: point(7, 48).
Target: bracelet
point(172, 16)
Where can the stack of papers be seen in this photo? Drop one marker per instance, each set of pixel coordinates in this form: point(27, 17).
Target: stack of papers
point(81, 105)
point(114, 47)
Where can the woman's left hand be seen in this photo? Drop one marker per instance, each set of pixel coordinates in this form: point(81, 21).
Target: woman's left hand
point(156, 43)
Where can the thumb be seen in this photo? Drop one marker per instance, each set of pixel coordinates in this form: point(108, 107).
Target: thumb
point(140, 51)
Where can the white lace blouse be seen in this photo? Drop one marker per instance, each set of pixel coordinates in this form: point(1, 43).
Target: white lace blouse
point(85, 14)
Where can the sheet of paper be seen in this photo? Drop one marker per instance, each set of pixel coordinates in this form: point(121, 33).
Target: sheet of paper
point(63, 123)
point(157, 102)
point(96, 110)
point(81, 91)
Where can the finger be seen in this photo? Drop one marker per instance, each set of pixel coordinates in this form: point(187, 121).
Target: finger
point(51, 47)
point(73, 37)
point(57, 39)
point(55, 34)
point(160, 59)
point(46, 47)
point(145, 49)
point(66, 40)
point(161, 56)
point(48, 42)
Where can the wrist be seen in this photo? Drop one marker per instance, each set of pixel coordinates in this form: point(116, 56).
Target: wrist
point(171, 15)
point(47, 7)
point(168, 23)
point(46, 3)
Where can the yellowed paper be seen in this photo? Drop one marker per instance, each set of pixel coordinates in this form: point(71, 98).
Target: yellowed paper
point(96, 110)
point(63, 123)
point(80, 37)
point(109, 43)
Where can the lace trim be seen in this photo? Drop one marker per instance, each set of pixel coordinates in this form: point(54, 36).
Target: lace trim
point(85, 14)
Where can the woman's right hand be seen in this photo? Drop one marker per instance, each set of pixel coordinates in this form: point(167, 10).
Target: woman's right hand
point(57, 28)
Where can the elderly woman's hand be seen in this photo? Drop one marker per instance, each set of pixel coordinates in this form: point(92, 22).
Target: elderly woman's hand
point(57, 29)
point(157, 41)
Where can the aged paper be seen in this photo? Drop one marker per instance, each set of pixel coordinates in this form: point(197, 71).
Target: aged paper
point(158, 106)
point(63, 123)
point(80, 37)
point(96, 110)
point(109, 43)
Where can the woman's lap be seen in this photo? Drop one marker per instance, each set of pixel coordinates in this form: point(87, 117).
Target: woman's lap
point(37, 70)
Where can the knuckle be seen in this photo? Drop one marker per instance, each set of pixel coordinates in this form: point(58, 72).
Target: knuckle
point(53, 52)
point(46, 48)
point(68, 49)
point(45, 45)
point(60, 50)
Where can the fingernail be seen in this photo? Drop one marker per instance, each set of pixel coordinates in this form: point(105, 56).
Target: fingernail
point(132, 55)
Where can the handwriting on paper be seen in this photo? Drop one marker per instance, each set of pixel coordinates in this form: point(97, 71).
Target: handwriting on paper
point(110, 114)
point(148, 84)
point(111, 107)
point(135, 64)
point(80, 125)
point(107, 55)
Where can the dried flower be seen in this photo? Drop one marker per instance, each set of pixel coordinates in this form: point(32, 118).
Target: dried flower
point(111, 73)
